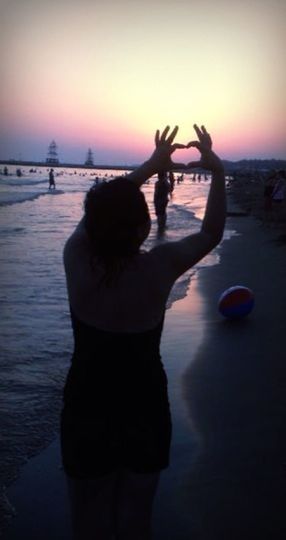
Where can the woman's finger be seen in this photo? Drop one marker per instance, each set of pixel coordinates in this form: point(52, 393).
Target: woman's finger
point(177, 146)
point(157, 137)
point(195, 144)
point(172, 135)
point(207, 136)
point(163, 136)
point(198, 131)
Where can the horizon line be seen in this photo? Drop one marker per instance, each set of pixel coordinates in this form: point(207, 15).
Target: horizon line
point(40, 163)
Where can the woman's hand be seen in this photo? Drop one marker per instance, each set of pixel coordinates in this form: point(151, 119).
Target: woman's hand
point(161, 157)
point(209, 160)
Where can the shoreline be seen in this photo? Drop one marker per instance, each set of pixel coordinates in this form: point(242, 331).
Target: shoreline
point(229, 442)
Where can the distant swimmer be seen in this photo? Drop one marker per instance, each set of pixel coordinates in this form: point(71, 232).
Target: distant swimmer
point(161, 199)
point(52, 184)
point(172, 182)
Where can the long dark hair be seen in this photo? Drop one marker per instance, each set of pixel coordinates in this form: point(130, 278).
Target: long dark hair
point(113, 213)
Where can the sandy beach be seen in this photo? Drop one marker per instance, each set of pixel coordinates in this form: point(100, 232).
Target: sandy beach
point(235, 390)
point(227, 474)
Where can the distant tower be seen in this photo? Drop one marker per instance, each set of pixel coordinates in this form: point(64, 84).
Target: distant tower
point(89, 158)
point(52, 158)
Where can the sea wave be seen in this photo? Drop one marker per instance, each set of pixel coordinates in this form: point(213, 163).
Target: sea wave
point(20, 182)
point(8, 198)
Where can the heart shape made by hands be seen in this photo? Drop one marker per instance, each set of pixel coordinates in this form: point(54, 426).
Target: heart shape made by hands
point(192, 162)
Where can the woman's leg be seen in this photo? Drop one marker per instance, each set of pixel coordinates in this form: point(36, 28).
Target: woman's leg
point(135, 496)
point(93, 507)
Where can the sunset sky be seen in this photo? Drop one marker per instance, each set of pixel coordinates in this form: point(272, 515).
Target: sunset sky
point(106, 74)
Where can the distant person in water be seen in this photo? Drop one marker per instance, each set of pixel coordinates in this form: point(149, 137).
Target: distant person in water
point(52, 184)
point(116, 422)
point(161, 199)
point(171, 182)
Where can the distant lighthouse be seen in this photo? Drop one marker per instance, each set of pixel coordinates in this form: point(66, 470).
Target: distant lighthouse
point(52, 158)
point(89, 158)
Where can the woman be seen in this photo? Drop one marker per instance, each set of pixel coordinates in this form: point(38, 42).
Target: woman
point(116, 425)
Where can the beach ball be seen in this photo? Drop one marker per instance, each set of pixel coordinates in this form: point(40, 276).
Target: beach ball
point(236, 302)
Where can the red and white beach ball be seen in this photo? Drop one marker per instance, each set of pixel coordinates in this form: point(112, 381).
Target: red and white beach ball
point(236, 302)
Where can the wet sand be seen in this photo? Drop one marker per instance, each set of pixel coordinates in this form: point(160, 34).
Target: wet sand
point(227, 392)
point(235, 391)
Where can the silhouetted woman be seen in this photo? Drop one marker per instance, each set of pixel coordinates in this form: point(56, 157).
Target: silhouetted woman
point(116, 425)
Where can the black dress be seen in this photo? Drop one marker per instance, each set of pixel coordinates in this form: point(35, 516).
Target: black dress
point(116, 410)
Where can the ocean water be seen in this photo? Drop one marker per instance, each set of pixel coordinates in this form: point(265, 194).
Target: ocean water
point(35, 331)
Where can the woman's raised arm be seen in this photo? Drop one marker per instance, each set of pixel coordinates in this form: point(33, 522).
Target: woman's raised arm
point(181, 255)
